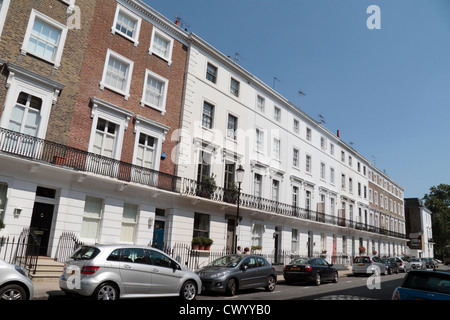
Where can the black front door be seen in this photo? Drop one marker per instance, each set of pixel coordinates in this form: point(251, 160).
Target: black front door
point(41, 223)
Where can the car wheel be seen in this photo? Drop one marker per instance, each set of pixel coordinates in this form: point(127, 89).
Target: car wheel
point(317, 281)
point(188, 291)
point(336, 277)
point(106, 291)
point(231, 287)
point(271, 284)
point(13, 292)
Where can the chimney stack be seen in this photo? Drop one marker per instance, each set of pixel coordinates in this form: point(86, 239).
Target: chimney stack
point(338, 134)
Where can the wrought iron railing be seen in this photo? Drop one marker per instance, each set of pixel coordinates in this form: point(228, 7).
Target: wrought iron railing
point(25, 146)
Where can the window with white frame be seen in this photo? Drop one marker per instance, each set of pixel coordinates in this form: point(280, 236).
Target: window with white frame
point(295, 194)
point(108, 126)
point(332, 176)
point(257, 235)
point(44, 38)
point(259, 140)
point(161, 45)
point(295, 158)
point(208, 115)
point(117, 73)
point(261, 103)
point(296, 126)
point(129, 222)
point(91, 218)
point(211, 73)
point(127, 24)
point(201, 225)
point(275, 190)
point(294, 241)
point(154, 93)
point(147, 149)
point(234, 87)
point(276, 148)
point(232, 126)
point(277, 114)
point(308, 134)
point(257, 185)
point(308, 164)
point(322, 171)
point(4, 5)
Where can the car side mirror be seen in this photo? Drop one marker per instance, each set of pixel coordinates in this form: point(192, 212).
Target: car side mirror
point(330, 265)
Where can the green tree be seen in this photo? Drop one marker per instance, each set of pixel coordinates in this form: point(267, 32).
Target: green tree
point(438, 201)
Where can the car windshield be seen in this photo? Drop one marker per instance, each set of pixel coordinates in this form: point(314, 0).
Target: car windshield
point(434, 282)
point(227, 261)
point(415, 260)
point(300, 261)
point(85, 253)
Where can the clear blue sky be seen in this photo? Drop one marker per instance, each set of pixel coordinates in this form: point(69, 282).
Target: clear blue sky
point(386, 90)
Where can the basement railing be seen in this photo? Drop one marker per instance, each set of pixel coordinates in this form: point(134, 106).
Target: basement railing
point(28, 147)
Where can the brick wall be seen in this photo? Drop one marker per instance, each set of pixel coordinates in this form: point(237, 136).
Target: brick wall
point(100, 40)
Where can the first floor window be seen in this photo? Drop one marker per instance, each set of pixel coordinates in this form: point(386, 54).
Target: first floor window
point(91, 217)
point(146, 149)
point(129, 221)
point(105, 137)
point(26, 114)
point(257, 185)
point(232, 127)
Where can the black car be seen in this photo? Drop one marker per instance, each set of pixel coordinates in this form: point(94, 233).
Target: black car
point(313, 270)
point(392, 265)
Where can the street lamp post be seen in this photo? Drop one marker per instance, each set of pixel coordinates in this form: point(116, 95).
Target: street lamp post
point(239, 177)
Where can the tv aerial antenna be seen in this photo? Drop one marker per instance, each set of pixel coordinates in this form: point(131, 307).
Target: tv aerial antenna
point(181, 22)
point(237, 57)
point(300, 94)
point(322, 119)
point(275, 79)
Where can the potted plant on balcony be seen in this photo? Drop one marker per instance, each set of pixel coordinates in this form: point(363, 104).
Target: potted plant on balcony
point(231, 193)
point(207, 186)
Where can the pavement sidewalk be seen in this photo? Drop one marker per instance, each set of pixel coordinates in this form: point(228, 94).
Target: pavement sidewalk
point(48, 289)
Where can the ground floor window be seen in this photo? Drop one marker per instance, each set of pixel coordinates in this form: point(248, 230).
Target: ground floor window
point(201, 225)
point(3, 190)
point(91, 217)
point(257, 235)
point(129, 220)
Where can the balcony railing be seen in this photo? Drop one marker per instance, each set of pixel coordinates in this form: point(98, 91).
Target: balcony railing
point(26, 146)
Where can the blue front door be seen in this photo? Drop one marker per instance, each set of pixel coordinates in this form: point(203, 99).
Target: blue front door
point(158, 234)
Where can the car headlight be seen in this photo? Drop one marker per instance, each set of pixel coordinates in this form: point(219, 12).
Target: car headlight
point(219, 274)
point(21, 271)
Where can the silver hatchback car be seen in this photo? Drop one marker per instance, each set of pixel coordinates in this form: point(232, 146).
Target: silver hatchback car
point(110, 272)
point(369, 265)
point(14, 283)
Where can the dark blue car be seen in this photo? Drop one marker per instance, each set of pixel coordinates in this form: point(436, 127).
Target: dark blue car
point(424, 285)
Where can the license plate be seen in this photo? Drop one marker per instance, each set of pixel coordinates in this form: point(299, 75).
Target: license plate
point(295, 268)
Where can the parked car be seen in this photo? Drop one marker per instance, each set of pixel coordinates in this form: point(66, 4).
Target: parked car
point(313, 270)
point(110, 272)
point(431, 264)
point(368, 265)
point(417, 263)
point(403, 264)
point(424, 285)
point(391, 264)
point(14, 283)
point(234, 272)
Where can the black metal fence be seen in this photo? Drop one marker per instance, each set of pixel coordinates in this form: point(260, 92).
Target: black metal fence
point(22, 251)
point(67, 244)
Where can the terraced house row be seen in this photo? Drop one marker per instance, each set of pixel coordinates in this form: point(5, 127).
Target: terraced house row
point(127, 128)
